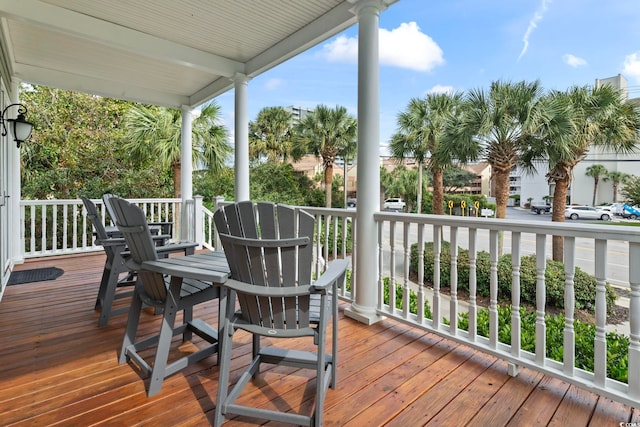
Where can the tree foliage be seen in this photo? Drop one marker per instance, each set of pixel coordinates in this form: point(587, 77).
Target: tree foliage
point(597, 172)
point(496, 125)
point(455, 178)
point(576, 120)
point(631, 190)
point(421, 127)
point(326, 132)
point(270, 135)
point(154, 136)
point(77, 148)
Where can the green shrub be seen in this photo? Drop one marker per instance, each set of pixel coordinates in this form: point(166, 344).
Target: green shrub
point(413, 299)
point(617, 344)
point(584, 284)
point(340, 237)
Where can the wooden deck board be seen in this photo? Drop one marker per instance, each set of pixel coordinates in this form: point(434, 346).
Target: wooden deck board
point(57, 367)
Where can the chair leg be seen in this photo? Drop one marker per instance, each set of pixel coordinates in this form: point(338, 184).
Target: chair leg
point(320, 379)
point(164, 339)
point(334, 339)
point(103, 284)
point(109, 296)
point(224, 365)
point(187, 316)
point(132, 326)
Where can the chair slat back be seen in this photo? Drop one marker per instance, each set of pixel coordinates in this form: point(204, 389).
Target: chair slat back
point(106, 199)
point(96, 220)
point(132, 223)
point(254, 237)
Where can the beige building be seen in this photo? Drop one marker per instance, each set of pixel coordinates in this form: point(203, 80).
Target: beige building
point(311, 166)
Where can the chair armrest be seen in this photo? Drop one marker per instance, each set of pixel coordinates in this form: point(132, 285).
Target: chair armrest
point(112, 241)
point(336, 271)
point(265, 243)
point(166, 227)
point(265, 291)
point(176, 247)
point(161, 237)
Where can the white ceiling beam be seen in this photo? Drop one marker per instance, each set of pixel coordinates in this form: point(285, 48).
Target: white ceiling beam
point(331, 23)
point(106, 88)
point(61, 20)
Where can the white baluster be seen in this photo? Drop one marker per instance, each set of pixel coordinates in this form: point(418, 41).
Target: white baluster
point(473, 284)
point(437, 243)
point(541, 328)
point(569, 339)
point(405, 280)
point(453, 286)
point(634, 321)
point(392, 267)
point(421, 292)
point(516, 344)
point(493, 288)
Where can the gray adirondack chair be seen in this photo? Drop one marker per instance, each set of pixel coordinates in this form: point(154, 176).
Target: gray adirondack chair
point(114, 267)
point(269, 251)
point(172, 294)
point(112, 285)
point(158, 228)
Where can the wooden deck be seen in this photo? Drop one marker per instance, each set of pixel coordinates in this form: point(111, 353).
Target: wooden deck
point(57, 367)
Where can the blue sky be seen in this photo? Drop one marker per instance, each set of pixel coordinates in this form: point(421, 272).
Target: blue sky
point(456, 45)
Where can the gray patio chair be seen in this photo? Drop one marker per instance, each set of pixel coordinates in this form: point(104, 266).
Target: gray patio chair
point(158, 228)
point(115, 265)
point(269, 251)
point(170, 293)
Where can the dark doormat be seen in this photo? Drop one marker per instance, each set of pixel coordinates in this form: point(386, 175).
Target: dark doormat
point(34, 275)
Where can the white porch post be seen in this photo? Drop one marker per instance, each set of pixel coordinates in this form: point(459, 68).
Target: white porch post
point(364, 307)
point(186, 155)
point(241, 138)
point(16, 249)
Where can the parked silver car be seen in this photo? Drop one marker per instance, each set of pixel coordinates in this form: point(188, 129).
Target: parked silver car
point(586, 212)
point(394, 204)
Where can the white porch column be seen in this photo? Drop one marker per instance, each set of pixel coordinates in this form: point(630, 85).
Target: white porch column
point(364, 307)
point(186, 155)
point(241, 159)
point(16, 248)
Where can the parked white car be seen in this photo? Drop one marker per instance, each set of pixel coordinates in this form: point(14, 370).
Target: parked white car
point(587, 212)
point(395, 204)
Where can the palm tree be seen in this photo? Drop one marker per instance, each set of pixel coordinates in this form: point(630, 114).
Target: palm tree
point(585, 117)
point(347, 152)
point(270, 134)
point(325, 132)
point(496, 126)
point(154, 134)
point(596, 171)
point(420, 130)
point(617, 178)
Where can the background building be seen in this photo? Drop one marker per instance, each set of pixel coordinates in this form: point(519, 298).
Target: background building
point(581, 190)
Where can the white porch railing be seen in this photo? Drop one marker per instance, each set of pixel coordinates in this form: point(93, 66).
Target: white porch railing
point(61, 227)
point(610, 253)
point(589, 246)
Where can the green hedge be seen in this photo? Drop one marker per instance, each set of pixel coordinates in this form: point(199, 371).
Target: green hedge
point(617, 344)
point(584, 284)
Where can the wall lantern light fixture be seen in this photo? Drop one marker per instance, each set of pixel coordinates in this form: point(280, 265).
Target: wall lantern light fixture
point(19, 128)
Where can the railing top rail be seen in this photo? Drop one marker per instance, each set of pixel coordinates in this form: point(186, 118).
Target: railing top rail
point(26, 202)
point(599, 231)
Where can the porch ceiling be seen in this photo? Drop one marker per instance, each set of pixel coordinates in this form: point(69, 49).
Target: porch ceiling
point(160, 52)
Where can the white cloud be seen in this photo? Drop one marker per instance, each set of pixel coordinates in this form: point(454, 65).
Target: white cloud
point(442, 89)
point(273, 84)
point(573, 60)
point(533, 24)
point(631, 65)
point(403, 47)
